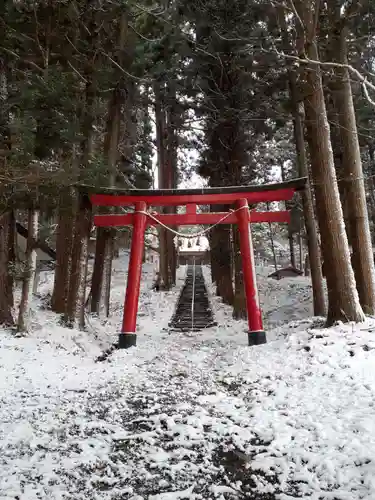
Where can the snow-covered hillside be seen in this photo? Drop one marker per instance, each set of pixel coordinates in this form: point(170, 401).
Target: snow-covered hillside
point(189, 416)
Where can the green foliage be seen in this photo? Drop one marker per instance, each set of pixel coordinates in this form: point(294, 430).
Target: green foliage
point(230, 89)
point(53, 53)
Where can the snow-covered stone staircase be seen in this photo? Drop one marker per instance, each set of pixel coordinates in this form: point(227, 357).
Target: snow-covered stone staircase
point(193, 311)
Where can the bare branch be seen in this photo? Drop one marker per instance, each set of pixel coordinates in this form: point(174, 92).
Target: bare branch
point(25, 61)
point(136, 78)
point(37, 39)
point(365, 91)
point(77, 72)
point(142, 36)
point(362, 79)
point(297, 16)
point(352, 9)
point(72, 44)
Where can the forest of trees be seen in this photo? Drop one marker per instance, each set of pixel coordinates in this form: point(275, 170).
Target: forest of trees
point(95, 91)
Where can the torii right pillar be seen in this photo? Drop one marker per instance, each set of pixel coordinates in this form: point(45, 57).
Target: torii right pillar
point(256, 334)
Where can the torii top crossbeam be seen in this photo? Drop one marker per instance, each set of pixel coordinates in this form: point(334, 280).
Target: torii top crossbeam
point(107, 197)
point(278, 191)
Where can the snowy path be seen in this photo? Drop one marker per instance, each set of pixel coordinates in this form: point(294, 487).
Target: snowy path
point(190, 416)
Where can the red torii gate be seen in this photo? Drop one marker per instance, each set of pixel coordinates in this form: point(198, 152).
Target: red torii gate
point(241, 196)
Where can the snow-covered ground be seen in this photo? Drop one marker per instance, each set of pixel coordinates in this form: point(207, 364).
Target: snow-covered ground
point(189, 416)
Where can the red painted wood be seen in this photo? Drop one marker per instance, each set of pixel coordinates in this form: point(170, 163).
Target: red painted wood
point(254, 313)
point(107, 200)
point(119, 220)
point(191, 208)
point(134, 272)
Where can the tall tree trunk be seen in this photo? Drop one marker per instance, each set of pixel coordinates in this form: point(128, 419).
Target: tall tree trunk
point(300, 247)
point(307, 270)
point(81, 299)
point(164, 275)
point(372, 206)
point(272, 246)
point(107, 273)
point(7, 222)
point(213, 262)
point(239, 300)
point(76, 297)
point(371, 187)
point(111, 153)
point(64, 242)
point(343, 301)
point(11, 255)
point(5, 136)
point(7, 236)
point(171, 165)
point(29, 273)
point(221, 253)
point(111, 143)
point(102, 235)
point(290, 234)
point(298, 113)
point(85, 223)
point(101, 269)
point(360, 236)
point(292, 253)
point(315, 263)
point(76, 300)
point(337, 147)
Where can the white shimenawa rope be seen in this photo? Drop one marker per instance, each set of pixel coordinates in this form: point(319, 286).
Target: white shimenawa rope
point(192, 298)
point(190, 236)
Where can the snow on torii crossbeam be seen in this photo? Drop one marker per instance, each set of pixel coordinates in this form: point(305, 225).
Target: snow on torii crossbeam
point(142, 199)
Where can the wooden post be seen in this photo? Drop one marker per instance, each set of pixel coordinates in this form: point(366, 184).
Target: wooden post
point(256, 334)
point(128, 337)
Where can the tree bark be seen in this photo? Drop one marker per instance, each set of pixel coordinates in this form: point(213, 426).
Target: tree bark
point(105, 238)
point(7, 222)
point(102, 234)
point(272, 246)
point(172, 166)
point(307, 270)
point(371, 187)
point(337, 149)
point(107, 273)
point(343, 300)
point(213, 263)
point(29, 273)
point(84, 220)
point(359, 235)
point(290, 234)
point(291, 249)
point(111, 143)
point(239, 300)
point(300, 247)
point(164, 275)
point(298, 113)
point(64, 242)
point(221, 253)
point(77, 289)
point(7, 236)
point(307, 202)
point(5, 135)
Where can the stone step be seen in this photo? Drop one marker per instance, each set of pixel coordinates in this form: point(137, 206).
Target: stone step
point(202, 313)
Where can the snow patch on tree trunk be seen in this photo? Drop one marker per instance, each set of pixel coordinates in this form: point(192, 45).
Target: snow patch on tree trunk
point(29, 272)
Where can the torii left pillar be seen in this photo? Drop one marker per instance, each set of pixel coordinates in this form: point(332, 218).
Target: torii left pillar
point(128, 337)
